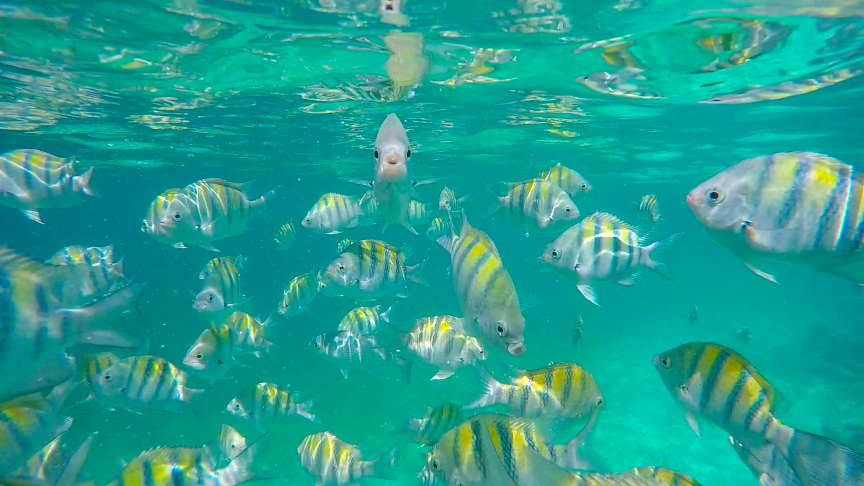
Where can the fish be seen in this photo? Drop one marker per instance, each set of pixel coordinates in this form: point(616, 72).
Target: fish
point(800, 208)
point(435, 423)
point(79, 255)
point(365, 320)
point(52, 467)
point(301, 291)
point(716, 384)
point(284, 236)
point(28, 423)
point(147, 382)
point(210, 210)
point(419, 214)
point(393, 184)
point(156, 212)
point(448, 203)
point(250, 334)
point(649, 209)
point(371, 269)
point(334, 213)
point(184, 466)
point(537, 204)
point(578, 330)
point(440, 341)
point(266, 403)
point(563, 391)
point(484, 289)
point(694, 316)
point(602, 248)
point(40, 321)
point(770, 467)
point(31, 180)
point(92, 366)
point(221, 295)
point(212, 354)
point(356, 351)
point(437, 228)
point(576, 186)
point(744, 334)
point(496, 449)
point(334, 462)
point(665, 476)
point(102, 276)
point(231, 443)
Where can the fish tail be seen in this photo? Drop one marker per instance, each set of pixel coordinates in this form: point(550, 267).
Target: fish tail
point(384, 466)
point(574, 449)
point(661, 268)
point(305, 410)
point(496, 205)
point(260, 209)
point(405, 365)
point(82, 184)
point(406, 424)
point(93, 319)
point(76, 461)
point(116, 269)
point(816, 459)
point(415, 273)
point(492, 390)
point(239, 470)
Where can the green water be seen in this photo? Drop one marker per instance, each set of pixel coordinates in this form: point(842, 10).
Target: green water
point(158, 94)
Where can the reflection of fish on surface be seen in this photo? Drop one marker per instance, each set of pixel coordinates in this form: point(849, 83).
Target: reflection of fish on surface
point(755, 38)
point(787, 89)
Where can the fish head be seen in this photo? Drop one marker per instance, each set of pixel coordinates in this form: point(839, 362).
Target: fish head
point(209, 301)
point(555, 255)
point(315, 220)
point(237, 408)
point(474, 351)
point(672, 366)
point(203, 356)
point(180, 218)
point(508, 334)
point(231, 443)
point(343, 272)
point(318, 344)
point(721, 202)
point(433, 472)
point(447, 200)
point(392, 152)
point(113, 380)
point(564, 210)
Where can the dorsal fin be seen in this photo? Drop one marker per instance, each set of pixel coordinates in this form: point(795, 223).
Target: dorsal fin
point(617, 223)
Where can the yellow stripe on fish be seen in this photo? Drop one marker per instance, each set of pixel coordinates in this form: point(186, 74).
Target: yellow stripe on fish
point(301, 291)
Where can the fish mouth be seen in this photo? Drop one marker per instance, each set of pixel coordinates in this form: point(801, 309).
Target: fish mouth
point(691, 201)
point(392, 158)
point(657, 361)
point(516, 349)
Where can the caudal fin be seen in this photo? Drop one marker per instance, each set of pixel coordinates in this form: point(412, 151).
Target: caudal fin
point(415, 273)
point(493, 207)
point(260, 208)
point(661, 268)
point(490, 393)
point(384, 467)
point(305, 410)
point(818, 460)
point(82, 184)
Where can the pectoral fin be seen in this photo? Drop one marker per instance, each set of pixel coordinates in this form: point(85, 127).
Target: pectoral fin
point(765, 275)
point(694, 423)
point(32, 215)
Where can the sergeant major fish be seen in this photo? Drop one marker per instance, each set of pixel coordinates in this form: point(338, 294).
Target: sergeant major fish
point(801, 208)
point(490, 306)
point(221, 294)
point(103, 275)
point(334, 462)
point(716, 384)
point(301, 291)
point(440, 341)
point(568, 179)
point(602, 248)
point(266, 403)
point(365, 320)
point(155, 213)
point(537, 204)
point(250, 334)
point(434, 424)
point(356, 351)
point(212, 354)
point(369, 270)
point(147, 382)
point(334, 213)
point(649, 209)
point(184, 466)
point(284, 236)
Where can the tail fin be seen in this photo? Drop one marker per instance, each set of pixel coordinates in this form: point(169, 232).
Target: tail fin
point(305, 410)
point(93, 319)
point(240, 469)
point(490, 394)
point(259, 206)
point(658, 267)
point(385, 316)
point(415, 273)
point(406, 424)
point(82, 184)
point(384, 466)
point(76, 461)
point(818, 460)
point(494, 207)
point(116, 269)
point(574, 448)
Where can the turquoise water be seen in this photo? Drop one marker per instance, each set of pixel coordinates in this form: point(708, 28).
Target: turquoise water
point(159, 94)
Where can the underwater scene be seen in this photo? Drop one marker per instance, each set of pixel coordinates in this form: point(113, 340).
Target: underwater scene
point(420, 242)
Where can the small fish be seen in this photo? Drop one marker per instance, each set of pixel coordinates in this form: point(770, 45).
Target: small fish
point(29, 423)
point(489, 449)
point(437, 421)
point(447, 202)
point(333, 462)
point(184, 466)
point(31, 180)
point(602, 248)
point(419, 214)
point(156, 212)
point(665, 476)
point(801, 208)
point(102, 276)
point(694, 316)
point(565, 391)
point(537, 204)
point(250, 334)
point(284, 237)
point(716, 384)
point(649, 209)
point(212, 353)
point(371, 269)
point(231, 443)
point(266, 403)
point(334, 213)
point(490, 306)
point(147, 382)
point(568, 179)
point(365, 320)
point(356, 351)
point(209, 210)
point(221, 294)
point(440, 341)
point(578, 330)
point(300, 293)
point(744, 334)
point(437, 228)
point(79, 255)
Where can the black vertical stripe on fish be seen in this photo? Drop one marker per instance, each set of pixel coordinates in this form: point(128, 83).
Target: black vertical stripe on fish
point(41, 299)
point(507, 453)
point(694, 361)
point(834, 206)
point(18, 436)
point(754, 409)
point(7, 310)
point(767, 169)
point(477, 447)
point(733, 397)
point(177, 475)
point(462, 252)
point(568, 385)
point(711, 380)
point(794, 194)
point(147, 472)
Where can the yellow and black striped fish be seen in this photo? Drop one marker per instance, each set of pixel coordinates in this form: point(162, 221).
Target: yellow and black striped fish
point(664, 475)
point(250, 334)
point(576, 186)
point(419, 214)
point(537, 204)
point(212, 354)
point(301, 291)
point(371, 269)
point(222, 293)
point(102, 275)
point(356, 351)
point(147, 382)
point(365, 320)
point(184, 466)
point(437, 422)
point(152, 224)
point(801, 208)
point(334, 462)
point(437, 228)
point(266, 403)
point(284, 237)
point(441, 342)
point(334, 213)
point(649, 209)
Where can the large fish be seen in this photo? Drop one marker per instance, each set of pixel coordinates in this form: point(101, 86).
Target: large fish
point(716, 384)
point(490, 306)
point(31, 180)
point(537, 204)
point(801, 208)
point(334, 462)
point(440, 341)
point(602, 248)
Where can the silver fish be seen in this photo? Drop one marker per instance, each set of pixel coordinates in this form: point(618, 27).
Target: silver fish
point(334, 462)
point(356, 351)
point(369, 270)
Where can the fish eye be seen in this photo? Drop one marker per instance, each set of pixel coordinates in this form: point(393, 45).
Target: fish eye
point(408, 153)
point(218, 361)
point(584, 186)
point(341, 268)
point(144, 224)
point(599, 402)
point(176, 216)
point(237, 407)
point(714, 196)
point(556, 254)
point(666, 362)
point(210, 299)
point(500, 330)
point(107, 377)
point(199, 356)
point(375, 154)
point(317, 346)
point(435, 465)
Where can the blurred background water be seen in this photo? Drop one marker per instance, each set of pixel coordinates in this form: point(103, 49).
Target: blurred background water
point(640, 96)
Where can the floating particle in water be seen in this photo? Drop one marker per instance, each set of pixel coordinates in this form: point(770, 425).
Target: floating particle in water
point(694, 316)
point(578, 330)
